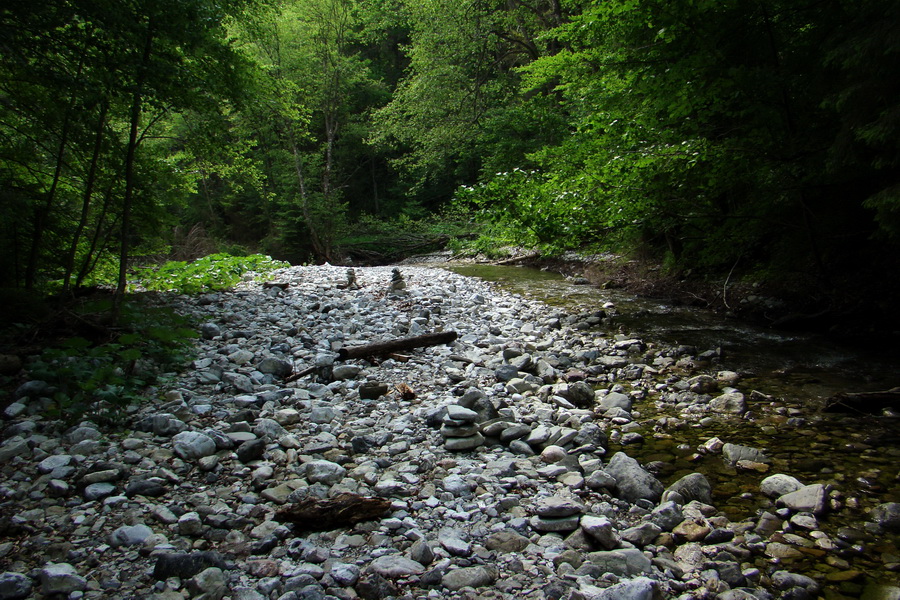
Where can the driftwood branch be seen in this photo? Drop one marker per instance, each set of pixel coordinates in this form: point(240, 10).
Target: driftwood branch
point(867, 402)
point(518, 259)
point(318, 514)
point(392, 346)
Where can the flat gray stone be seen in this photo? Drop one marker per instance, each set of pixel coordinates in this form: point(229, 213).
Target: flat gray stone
point(474, 577)
point(779, 484)
point(809, 498)
point(558, 506)
point(191, 445)
point(61, 578)
point(394, 565)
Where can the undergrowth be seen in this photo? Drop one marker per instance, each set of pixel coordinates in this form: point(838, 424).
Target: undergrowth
point(101, 378)
point(207, 274)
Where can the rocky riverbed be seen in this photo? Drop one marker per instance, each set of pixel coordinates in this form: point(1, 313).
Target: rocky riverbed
point(496, 466)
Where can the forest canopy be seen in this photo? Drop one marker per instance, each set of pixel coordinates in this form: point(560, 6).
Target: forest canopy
point(707, 133)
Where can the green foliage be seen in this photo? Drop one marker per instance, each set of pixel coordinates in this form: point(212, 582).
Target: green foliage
point(530, 209)
point(102, 379)
point(210, 273)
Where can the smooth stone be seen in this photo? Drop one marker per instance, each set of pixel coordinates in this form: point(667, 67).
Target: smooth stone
point(61, 578)
point(779, 484)
point(209, 584)
point(474, 577)
point(735, 453)
point(601, 530)
point(558, 506)
point(615, 400)
point(729, 403)
point(344, 574)
point(810, 498)
point(461, 413)
point(506, 540)
point(692, 530)
point(464, 443)
point(555, 524)
point(394, 565)
point(191, 445)
point(639, 588)
point(98, 491)
point(323, 471)
point(130, 535)
point(626, 562)
point(694, 486)
point(633, 483)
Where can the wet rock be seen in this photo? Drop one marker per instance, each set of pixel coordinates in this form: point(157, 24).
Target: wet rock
point(779, 484)
point(785, 580)
point(887, 516)
point(667, 515)
point(735, 453)
point(633, 483)
point(810, 498)
point(731, 403)
point(694, 486)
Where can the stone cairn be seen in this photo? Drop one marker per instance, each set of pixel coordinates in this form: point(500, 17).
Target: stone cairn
point(397, 282)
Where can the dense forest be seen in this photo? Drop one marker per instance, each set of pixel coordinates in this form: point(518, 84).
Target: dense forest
point(710, 135)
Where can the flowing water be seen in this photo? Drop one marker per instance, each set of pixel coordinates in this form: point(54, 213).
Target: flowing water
point(859, 454)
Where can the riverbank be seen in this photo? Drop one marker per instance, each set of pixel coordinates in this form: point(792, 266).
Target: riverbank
point(504, 461)
point(855, 305)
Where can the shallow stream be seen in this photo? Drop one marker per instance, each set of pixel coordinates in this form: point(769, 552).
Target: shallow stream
point(858, 454)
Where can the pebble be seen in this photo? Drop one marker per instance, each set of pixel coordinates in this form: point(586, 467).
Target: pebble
point(494, 469)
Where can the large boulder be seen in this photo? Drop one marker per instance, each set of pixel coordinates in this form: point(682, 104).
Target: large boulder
point(694, 486)
point(633, 483)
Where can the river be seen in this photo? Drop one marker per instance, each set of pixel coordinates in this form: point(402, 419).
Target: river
point(858, 454)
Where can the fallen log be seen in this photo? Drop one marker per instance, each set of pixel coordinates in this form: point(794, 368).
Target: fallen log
point(867, 402)
point(325, 514)
point(517, 259)
point(382, 348)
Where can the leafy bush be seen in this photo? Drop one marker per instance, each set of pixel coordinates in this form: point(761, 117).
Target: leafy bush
point(525, 208)
point(210, 273)
point(102, 379)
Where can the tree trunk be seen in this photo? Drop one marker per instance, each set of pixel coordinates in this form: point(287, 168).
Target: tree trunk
point(134, 126)
point(86, 198)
